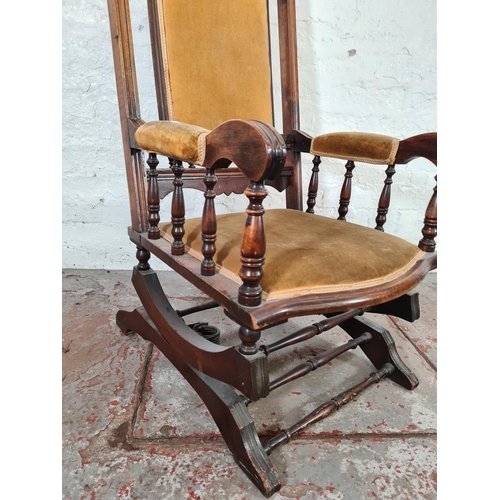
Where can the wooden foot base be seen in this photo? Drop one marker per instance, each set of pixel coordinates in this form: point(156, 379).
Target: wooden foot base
point(381, 349)
point(213, 371)
point(247, 372)
point(226, 407)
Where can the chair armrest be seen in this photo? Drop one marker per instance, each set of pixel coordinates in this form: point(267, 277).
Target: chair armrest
point(255, 147)
point(356, 146)
point(178, 140)
point(376, 149)
point(259, 151)
point(418, 146)
point(379, 150)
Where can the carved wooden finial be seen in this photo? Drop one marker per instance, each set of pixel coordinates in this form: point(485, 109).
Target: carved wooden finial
point(143, 257)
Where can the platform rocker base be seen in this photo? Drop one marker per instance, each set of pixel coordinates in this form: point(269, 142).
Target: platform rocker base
point(200, 362)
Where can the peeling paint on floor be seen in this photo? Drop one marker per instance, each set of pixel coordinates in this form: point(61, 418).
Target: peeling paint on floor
point(134, 429)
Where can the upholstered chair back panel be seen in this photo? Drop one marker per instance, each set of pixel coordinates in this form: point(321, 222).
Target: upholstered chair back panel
point(217, 60)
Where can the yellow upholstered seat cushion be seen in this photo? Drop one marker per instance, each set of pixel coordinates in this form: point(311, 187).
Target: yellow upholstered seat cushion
point(307, 253)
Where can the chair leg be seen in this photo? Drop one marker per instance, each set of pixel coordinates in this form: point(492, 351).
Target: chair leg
point(381, 349)
point(227, 408)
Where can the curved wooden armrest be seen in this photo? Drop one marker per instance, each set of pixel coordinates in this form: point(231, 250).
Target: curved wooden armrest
point(376, 149)
point(259, 151)
point(255, 147)
point(418, 146)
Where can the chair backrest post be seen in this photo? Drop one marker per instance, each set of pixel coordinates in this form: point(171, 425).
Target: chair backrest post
point(154, 17)
point(287, 26)
point(128, 101)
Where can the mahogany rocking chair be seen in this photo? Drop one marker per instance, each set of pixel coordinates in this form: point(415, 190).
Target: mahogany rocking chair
point(215, 126)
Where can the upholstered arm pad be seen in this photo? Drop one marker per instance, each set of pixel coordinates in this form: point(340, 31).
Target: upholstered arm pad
point(173, 139)
point(357, 146)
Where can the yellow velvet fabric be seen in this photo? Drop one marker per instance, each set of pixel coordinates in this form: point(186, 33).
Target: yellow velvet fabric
point(173, 139)
point(307, 253)
point(218, 61)
point(357, 146)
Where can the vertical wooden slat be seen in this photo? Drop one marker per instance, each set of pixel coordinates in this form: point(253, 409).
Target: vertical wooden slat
point(128, 102)
point(158, 53)
point(290, 95)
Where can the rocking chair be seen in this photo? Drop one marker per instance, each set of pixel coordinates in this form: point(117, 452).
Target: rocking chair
point(215, 130)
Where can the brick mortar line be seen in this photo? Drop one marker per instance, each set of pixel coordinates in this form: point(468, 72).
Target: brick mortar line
point(427, 359)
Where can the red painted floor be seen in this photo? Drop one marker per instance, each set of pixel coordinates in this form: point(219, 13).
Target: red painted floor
point(133, 428)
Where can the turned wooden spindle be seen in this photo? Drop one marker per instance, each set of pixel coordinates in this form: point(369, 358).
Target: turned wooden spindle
point(178, 211)
point(143, 257)
point(249, 339)
point(153, 198)
point(429, 231)
point(327, 408)
point(317, 361)
point(345, 194)
point(253, 247)
point(311, 331)
point(313, 185)
point(385, 199)
point(209, 225)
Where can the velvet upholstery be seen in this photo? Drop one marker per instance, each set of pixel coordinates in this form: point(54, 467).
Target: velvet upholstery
point(173, 139)
point(218, 60)
point(307, 253)
point(357, 146)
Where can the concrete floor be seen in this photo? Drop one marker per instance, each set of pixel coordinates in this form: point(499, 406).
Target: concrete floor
point(133, 428)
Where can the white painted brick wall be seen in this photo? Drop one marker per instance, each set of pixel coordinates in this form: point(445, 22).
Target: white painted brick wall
point(364, 66)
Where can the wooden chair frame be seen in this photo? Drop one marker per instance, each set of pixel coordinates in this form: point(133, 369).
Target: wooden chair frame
point(212, 370)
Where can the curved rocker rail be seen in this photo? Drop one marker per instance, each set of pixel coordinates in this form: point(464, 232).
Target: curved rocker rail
point(226, 407)
point(229, 410)
point(249, 374)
